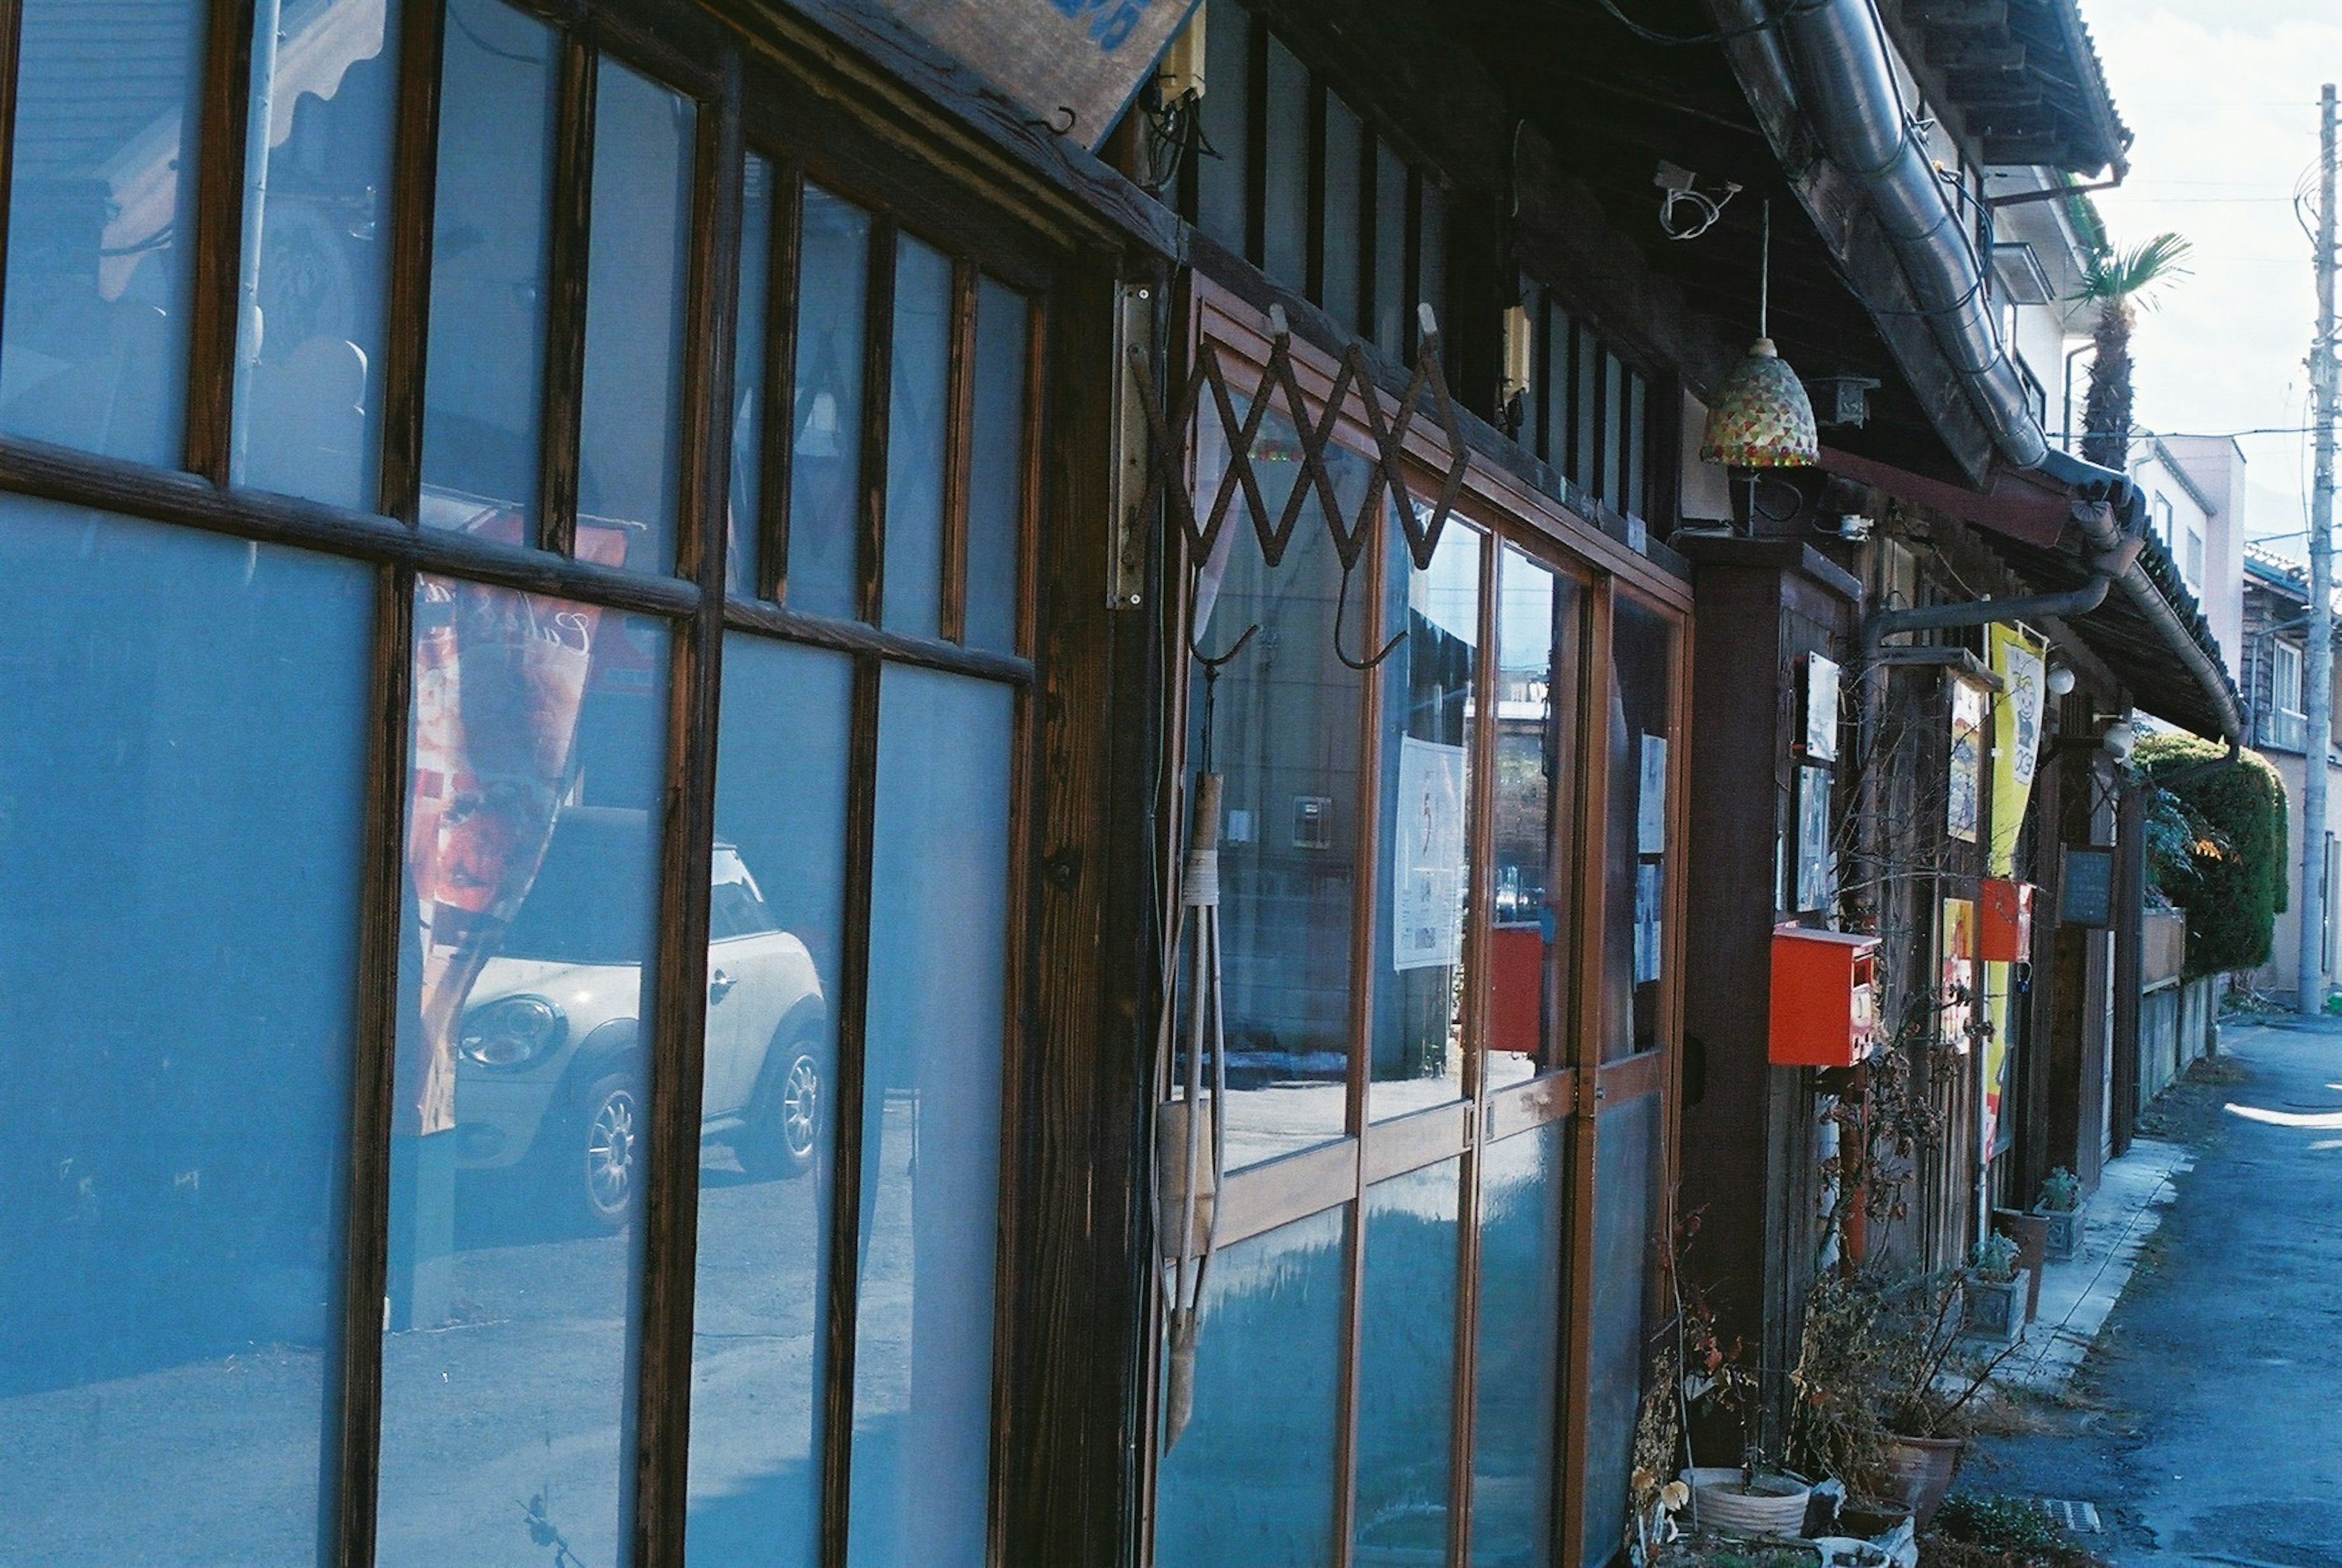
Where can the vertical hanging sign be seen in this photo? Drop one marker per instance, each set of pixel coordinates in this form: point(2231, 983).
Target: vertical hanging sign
point(1086, 59)
point(2017, 656)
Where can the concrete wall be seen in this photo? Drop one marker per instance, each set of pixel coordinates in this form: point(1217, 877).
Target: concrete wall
point(2179, 1024)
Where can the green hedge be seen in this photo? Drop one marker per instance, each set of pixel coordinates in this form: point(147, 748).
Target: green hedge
point(2234, 888)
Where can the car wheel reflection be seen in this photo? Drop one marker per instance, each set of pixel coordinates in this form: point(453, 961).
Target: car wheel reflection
point(612, 1150)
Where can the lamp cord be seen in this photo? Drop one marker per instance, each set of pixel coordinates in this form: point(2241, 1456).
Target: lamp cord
point(1765, 274)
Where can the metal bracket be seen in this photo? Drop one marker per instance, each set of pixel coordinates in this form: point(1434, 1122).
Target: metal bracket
point(1134, 352)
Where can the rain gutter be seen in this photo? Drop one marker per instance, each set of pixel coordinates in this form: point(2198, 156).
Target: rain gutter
point(1830, 57)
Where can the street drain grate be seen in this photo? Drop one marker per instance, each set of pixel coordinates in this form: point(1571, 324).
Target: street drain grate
point(2081, 1518)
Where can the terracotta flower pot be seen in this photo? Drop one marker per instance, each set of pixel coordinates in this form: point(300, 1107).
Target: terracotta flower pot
point(1919, 1471)
point(1722, 1500)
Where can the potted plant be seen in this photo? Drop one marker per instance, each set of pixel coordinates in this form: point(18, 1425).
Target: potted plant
point(2060, 1208)
point(1754, 1497)
point(1994, 1291)
point(1925, 1388)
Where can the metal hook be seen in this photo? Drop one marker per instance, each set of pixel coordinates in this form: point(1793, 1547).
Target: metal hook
point(1212, 663)
point(1341, 612)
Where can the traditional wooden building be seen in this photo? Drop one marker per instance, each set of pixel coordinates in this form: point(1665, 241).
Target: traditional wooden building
point(617, 614)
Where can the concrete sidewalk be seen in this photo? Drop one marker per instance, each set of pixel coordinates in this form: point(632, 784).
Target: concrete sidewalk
point(2078, 1296)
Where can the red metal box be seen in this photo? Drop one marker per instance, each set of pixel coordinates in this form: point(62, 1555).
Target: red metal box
point(2004, 921)
point(1824, 1010)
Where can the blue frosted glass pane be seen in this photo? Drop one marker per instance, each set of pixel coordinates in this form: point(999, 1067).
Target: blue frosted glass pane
point(316, 252)
point(825, 425)
point(483, 391)
point(748, 380)
point(995, 500)
point(1517, 1375)
point(931, 1124)
point(917, 428)
point(1222, 174)
point(179, 851)
point(521, 1100)
point(777, 914)
point(1407, 1364)
point(1625, 1188)
point(1392, 313)
point(1415, 1037)
point(94, 353)
point(1284, 188)
point(1345, 154)
point(1250, 1483)
point(636, 281)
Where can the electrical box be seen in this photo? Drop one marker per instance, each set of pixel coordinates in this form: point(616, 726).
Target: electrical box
point(2004, 921)
point(1824, 1009)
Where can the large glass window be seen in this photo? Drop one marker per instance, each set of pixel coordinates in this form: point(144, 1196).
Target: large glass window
point(1429, 713)
point(1533, 903)
point(1406, 1367)
point(744, 508)
point(777, 923)
point(521, 1100)
point(1635, 889)
point(996, 462)
point(316, 268)
point(181, 780)
point(100, 196)
point(632, 423)
point(1515, 1428)
point(918, 438)
point(484, 397)
point(931, 1104)
point(1280, 724)
point(1250, 1483)
point(826, 428)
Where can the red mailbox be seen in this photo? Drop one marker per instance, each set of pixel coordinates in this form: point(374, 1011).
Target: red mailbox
point(1825, 997)
point(2004, 921)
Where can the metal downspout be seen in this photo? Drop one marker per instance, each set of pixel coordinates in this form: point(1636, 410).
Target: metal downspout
point(1830, 57)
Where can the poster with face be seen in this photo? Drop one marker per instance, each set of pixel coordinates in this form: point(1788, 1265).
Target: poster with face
point(1955, 938)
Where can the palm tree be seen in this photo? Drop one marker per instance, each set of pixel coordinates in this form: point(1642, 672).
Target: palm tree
point(2120, 283)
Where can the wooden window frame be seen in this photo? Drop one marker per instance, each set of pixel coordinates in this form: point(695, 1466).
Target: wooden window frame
point(746, 99)
point(1338, 1173)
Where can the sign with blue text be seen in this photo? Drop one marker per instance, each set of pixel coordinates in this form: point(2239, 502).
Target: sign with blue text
point(1076, 64)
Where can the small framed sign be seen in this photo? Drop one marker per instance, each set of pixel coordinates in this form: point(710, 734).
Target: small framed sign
point(2085, 888)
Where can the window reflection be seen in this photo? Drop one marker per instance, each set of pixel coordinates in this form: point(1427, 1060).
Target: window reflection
point(521, 1108)
point(1626, 1177)
point(777, 915)
point(931, 1104)
point(1517, 1362)
point(995, 500)
point(1531, 907)
point(1281, 726)
point(1642, 699)
point(918, 416)
point(826, 422)
point(743, 513)
point(1407, 1365)
point(631, 426)
point(316, 233)
point(484, 395)
point(181, 780)
point(1251, 1483)
point(1417, 1031)
point(95, 353)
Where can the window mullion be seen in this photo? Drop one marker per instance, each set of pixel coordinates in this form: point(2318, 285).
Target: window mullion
point(564, 326)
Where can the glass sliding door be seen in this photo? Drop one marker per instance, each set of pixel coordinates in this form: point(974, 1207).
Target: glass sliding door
point(1419, 1337)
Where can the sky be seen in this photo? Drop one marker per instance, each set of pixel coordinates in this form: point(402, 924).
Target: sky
point(2222, 95)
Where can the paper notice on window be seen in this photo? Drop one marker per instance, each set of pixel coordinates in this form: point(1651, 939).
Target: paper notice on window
point(1651, 803)
point(1428, 858)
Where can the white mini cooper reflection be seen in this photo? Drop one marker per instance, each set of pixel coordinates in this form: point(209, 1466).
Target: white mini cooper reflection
point(550, 1069)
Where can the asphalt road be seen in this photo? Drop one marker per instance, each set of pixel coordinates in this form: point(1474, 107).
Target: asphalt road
point(2206, 1423)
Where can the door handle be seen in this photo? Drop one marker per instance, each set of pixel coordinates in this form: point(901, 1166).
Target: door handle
point(719, 986)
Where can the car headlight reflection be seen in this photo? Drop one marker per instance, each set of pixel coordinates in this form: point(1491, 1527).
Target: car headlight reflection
point(512, 1031)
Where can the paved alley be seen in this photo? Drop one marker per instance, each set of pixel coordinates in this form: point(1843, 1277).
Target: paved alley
point(2203, 1424)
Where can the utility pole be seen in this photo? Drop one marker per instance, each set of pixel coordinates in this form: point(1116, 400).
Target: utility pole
point(2318, 658)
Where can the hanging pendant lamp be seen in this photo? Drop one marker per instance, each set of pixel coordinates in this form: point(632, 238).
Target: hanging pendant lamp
point(1763, 419)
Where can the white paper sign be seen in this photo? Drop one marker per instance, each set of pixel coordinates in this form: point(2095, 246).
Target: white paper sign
point(1651, 814)
point(1427, 864)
